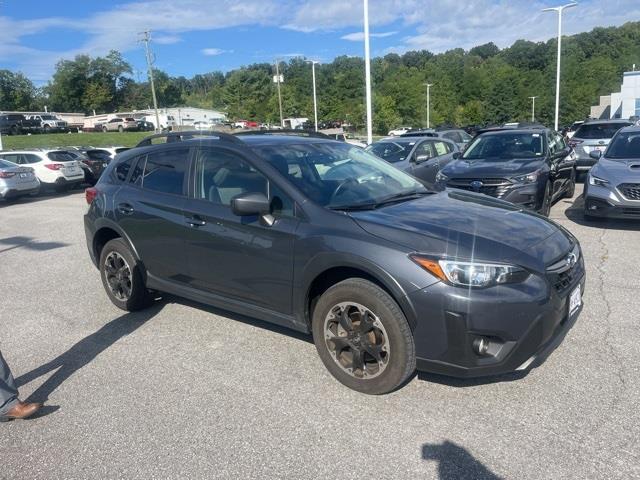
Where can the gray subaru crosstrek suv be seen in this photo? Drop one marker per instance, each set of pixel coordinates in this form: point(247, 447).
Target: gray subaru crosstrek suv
point(325, 238)
point(591, 136)
point(612, 188)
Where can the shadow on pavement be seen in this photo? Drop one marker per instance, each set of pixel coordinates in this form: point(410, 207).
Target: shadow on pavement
point(576, 215)
point(471, 382)
point(455, 462)
point(38, 198)
point(29, 243)
point(85, 351)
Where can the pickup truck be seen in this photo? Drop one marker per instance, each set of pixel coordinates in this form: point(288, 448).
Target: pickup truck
point(50, 123)
point(15, 124)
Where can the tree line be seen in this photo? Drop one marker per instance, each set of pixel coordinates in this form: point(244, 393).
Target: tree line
point(485, 85)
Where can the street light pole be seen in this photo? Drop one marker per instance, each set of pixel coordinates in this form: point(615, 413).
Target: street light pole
point(315, 101)
point(533, 108)
point(279, 94)
point(428, 85)
point(367, 72)
point(146, 40)
point(559, 9)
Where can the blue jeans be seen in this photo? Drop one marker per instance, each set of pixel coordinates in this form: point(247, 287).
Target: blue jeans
point(8, 389)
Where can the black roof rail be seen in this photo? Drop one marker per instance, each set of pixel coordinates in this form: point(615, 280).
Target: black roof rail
point(284, 131)
point(188, 135)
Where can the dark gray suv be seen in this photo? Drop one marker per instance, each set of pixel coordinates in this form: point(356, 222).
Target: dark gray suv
point(325, 238)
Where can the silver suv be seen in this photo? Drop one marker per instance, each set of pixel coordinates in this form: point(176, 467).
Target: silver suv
point(591, 136)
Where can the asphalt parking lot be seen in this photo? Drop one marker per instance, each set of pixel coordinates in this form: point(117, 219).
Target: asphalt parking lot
point(185, 391)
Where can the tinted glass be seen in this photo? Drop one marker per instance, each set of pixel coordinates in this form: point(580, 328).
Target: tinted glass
point(28, 158)
point(392, 150)
point(598, 130)
point(136, 175)
point(506, 146)
point(5, 164)
point(164, 171)
point(13, 158)
point(453, 136)
point(122, 169)
point(338, 175)
point(425, 149)
point(624, 145)
point(60, 157)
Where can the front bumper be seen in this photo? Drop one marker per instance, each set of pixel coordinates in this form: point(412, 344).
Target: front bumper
point(525, 322)
point(604, 202)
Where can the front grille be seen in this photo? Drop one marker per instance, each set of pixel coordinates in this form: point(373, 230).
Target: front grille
point(631, 211)
point(630, 191)
point(561, 275)
point(494, 187)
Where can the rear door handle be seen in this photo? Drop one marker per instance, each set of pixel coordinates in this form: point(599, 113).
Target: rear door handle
point(196, 221)
point(125, 209)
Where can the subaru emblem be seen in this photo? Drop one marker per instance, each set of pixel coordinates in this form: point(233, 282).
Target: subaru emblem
point(476, 185)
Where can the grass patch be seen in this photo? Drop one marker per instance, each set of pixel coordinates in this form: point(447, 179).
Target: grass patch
point(54, 140)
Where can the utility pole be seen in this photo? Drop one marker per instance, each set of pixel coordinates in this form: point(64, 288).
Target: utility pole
point(367, 73)
point(279, 94)
point(146, 40)
point(559, 10)
point(533, 108)
point(315, 101)
point(428, 85)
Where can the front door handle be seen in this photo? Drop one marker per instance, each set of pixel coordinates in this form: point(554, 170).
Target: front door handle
point(125, 209)
point(196, 222)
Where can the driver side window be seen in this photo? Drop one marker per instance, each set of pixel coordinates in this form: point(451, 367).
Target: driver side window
point(424, 151)
point(221, 175)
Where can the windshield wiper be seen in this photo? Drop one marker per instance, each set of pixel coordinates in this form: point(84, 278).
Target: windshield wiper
point(396, 197)
point(353, 208)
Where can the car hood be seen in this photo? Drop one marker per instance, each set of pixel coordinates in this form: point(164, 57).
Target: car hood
point(483, 168)
point(467, 225)
point(618, 171)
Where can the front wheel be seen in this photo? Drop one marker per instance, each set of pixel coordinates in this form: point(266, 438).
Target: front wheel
point(122, 278)
point(363, 337)
point(571, 189)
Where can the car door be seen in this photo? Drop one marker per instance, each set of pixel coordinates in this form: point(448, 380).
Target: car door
point(240, 258)
point(428, 158)
point(561, 163)
point(149, 208)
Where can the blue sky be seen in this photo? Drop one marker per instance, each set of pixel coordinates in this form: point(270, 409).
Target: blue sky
point(197, 36)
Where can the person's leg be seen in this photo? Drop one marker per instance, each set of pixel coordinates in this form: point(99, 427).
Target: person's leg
point(8, 389)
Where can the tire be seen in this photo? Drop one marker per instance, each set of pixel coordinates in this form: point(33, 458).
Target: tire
point(571, 189)
point(116, 253)
point(545, 208)
point(392, 337)
point(120, 129)
point(46, 129)
point(105, 129)
point(14, 130)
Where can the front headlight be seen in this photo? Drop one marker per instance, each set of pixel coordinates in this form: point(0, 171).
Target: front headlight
point(526, 178)
point(593, 180)
point(471, 274)
point(441, 178)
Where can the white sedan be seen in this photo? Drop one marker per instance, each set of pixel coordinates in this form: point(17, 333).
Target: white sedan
point(398, 131)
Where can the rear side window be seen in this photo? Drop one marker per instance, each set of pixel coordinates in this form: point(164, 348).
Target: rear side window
point(13, 158)
point(29, 158)
point(598, 130)
point(164, 171)
point(122, 169)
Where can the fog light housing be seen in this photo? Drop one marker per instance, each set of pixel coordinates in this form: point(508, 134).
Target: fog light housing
point(487, 346)
point(481, 346)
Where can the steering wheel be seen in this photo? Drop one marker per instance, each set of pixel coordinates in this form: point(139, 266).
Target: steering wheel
point(341, 186)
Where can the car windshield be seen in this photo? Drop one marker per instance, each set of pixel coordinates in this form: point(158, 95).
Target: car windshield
point(590, 131)
point(340, 176)
point(392, 150)
point(624, 145)
point(505, 146)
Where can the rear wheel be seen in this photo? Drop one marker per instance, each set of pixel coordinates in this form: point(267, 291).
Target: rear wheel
point(122, 278)
point(363, 337)
point(105, 129)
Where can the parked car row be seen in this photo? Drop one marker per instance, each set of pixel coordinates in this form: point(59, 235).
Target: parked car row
point(28, 172)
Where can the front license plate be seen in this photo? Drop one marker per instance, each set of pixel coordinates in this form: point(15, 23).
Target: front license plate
point(575, 300)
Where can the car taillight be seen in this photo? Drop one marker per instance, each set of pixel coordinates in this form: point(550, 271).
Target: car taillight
point(90, 194)
point(53, 166)
point(7, 174)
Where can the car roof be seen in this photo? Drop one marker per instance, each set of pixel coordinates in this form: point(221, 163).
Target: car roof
point(610, 120)
point(630, 128)
point(260, 140)
point(514, 130)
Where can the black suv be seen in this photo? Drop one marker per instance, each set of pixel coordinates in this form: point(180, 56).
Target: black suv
point(532, 167)
point(325, 238)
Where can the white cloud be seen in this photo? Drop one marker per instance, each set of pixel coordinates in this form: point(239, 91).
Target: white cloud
point(212, 52)
point(167, 39)
point(359, 36)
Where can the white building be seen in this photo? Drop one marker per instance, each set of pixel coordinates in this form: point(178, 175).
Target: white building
point(623, 104)
point(185, 116)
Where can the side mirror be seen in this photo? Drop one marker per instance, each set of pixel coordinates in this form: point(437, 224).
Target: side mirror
point(595, 154)
point(421, 158)
point(456, 155)
point(247, 204)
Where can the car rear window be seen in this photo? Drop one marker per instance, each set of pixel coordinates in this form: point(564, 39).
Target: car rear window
point(598, 130)
point(60, 157)
point(5, 164)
